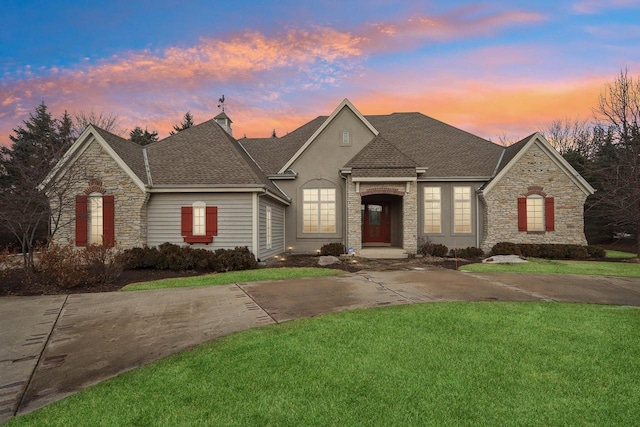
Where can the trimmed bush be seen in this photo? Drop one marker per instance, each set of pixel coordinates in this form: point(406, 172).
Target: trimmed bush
point(427, 247)
point(168, 256)
point(467, 253)
point(596, 252)
point(505, 248)
point(335, 249)
point(547, 251)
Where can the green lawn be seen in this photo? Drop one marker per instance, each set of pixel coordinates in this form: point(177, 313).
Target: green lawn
point(432, 364)
point(619, 254)
point(233, 277)
point(597, 268)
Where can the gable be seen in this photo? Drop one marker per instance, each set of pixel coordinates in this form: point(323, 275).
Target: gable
point(541, 158)
point(127, 155)
point(328, 137)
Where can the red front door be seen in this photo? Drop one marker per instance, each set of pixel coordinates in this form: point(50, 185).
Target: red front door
point(376, 223)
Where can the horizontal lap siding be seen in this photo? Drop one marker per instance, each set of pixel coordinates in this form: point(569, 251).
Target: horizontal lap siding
point(277, 228)
point(234, 218)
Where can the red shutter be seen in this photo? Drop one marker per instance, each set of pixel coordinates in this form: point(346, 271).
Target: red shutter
point(212, 220)
point(108, 221)
point(549, 214)
point(81, 220)
point(187, 221)
point(522, 214)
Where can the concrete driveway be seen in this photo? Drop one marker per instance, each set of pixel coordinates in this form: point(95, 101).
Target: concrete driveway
point(54, 346)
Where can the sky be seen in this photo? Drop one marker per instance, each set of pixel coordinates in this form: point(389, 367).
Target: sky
point(499, 69)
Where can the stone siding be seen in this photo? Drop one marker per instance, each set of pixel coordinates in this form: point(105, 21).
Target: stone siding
point(94, 170)
point(409, 212)
point(535, 168)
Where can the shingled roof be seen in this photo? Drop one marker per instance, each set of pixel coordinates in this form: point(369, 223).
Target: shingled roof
point(204, 155)
point(129, 152)
point(272, 153)
point(419, 140)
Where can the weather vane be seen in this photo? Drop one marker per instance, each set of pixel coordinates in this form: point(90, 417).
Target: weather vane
point(221, 103)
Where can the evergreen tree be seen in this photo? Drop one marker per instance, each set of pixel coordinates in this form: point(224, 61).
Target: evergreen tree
point(36, 147)
point(143, 137)
point(187, 122)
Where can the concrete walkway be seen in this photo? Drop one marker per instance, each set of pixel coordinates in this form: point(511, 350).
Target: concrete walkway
point(54, 346)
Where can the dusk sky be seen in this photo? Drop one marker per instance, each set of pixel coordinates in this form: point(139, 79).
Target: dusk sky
point(492, 68)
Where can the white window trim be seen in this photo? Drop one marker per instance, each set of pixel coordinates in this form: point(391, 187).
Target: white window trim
point(199, 213)
point(319, 203)
point(469, 201)
point(431, 201)
point(269, 242)
point(96, 212)
point(346, 138)
point(530, 225)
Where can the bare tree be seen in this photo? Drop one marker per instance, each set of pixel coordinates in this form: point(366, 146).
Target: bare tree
point(108, 122)
point(569, 135)
point(616, 157)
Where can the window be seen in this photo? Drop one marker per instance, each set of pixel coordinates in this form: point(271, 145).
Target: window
point(346, 138)
point(268, 220)
point(432, 210)
point(462, 209)
point(535, 213)
point(319, 210)
point(95, 219)
point(199, 223)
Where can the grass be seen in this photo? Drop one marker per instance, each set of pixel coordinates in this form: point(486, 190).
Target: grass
point(543, 266)
point(234, 277)
point(433, 364)
point(619, 254)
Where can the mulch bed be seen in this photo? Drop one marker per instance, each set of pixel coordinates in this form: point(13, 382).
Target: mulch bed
point(14, 282)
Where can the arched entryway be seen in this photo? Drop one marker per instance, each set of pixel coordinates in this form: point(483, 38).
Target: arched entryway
point(381, 216)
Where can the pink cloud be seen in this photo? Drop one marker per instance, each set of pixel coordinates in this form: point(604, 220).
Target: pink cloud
point(595, 6)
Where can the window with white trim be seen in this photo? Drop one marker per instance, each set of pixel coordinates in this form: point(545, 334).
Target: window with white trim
point(268, 226)
point(346, 138)
point(319, 210)
point(199, 219)
point(462, 209)
point(96, 219)
point(432, 210)
point(535, 213)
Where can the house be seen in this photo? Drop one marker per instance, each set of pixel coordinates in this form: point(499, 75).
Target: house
point(365, 181)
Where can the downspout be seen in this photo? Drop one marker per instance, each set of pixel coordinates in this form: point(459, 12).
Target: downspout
point(345, 230)
point(255, 224)
point(477, 220)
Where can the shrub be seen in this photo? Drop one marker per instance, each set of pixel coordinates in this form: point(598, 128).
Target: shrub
point(335, 249)
point(63, 266)
point(239, 258)
point(427, 247)
point(596, 252)
point(546, 251)
point(144, 257)
point(467, 253)
point(505, 248)
point(168, 256)
point(104, 264)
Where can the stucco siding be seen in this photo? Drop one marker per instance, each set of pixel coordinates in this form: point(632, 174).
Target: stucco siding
point(277, 229)
point(235, 222)
point(447, 236)
point(534, 169)
point(319, 167)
